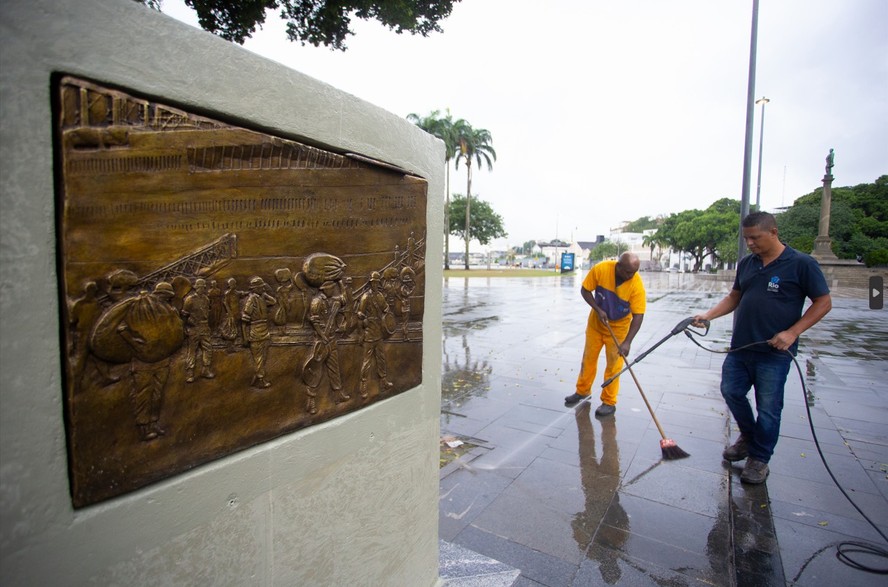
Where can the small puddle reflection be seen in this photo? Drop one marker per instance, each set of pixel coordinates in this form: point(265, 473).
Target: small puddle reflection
point(604, 531)
point(810, 377)
point(463, 376)
point(600, 479)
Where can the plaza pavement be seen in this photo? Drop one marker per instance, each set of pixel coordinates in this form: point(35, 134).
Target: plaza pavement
point(554, 496)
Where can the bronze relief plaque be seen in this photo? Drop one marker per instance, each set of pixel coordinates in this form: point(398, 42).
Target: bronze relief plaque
point(220, 286)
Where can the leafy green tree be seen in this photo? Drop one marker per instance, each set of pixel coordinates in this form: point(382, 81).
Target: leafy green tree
point(527, 248)
point(701, 233)
point(443, 128)
point(484, 226)
point(677, 232)
point(798, 226)
point(474, 144)
point(717, 230)
point(608, 250)
point(318, 22)
point(641, 224)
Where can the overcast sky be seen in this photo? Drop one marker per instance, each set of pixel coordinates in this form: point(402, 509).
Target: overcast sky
point(605, 111)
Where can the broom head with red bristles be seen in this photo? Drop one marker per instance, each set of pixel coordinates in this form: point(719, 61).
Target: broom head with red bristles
point(671, 451)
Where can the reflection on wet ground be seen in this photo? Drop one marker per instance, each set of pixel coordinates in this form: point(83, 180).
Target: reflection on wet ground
point(571, 499)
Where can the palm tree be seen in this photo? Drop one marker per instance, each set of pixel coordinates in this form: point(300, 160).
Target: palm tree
point(473, 144)
point(441, 128)
point(655, 241)
point(649, 240)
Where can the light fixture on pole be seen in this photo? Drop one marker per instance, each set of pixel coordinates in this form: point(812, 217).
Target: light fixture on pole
point(758, 186)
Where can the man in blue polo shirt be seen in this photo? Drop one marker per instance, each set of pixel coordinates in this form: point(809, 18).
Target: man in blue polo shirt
point(768, 297)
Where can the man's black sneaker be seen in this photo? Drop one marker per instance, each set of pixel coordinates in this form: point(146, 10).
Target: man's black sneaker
point(574, 399)
point(737, 451)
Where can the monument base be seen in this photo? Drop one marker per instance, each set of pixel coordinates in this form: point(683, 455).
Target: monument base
point(823, 249)
point(847, 273)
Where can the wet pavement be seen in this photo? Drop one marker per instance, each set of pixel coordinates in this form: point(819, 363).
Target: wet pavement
point(566, 498)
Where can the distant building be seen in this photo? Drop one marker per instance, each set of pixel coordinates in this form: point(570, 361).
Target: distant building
point(586, 250)
point(635, 243)
point(552, 250)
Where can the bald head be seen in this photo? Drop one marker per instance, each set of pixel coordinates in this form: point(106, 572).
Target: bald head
point(629, 262)
point(627, 266)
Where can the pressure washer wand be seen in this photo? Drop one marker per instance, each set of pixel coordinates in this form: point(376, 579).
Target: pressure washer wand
point(680, 327)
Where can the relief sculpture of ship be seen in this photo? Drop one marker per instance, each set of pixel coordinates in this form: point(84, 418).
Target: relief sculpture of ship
point(221, 286)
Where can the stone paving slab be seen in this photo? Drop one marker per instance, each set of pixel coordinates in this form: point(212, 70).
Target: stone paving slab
point(571, 499)
point(461, 567)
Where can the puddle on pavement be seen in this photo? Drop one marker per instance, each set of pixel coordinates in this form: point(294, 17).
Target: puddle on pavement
point(463, 375)
point(810, 377)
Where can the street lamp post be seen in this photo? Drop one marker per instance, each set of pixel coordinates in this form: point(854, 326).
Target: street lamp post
point(747, 147)
point(758, 186)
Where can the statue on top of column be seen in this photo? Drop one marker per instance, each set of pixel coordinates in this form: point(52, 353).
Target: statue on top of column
point(830, 162)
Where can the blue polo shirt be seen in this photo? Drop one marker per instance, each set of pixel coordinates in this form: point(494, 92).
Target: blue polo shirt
point(772, 297)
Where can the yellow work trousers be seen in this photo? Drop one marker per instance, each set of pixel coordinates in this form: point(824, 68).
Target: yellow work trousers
point(597, 336)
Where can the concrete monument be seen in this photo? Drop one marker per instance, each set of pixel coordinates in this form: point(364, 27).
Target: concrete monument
point(823, 244)
point(101, 210)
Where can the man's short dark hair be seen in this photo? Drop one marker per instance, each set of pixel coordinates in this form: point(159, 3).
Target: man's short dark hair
point(763, 220)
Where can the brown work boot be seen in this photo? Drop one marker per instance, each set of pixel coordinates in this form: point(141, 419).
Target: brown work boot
point(737, 451)
point(754, 472)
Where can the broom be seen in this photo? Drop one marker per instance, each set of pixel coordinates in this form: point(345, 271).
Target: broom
point(670, 450)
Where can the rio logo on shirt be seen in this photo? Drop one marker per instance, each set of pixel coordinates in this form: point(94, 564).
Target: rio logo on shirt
point(774, 284)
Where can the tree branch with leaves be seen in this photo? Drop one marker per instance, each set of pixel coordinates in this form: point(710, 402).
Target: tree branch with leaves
point(315, 22)
point(484, 225)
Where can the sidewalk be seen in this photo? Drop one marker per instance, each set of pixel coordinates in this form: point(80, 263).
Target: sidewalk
point(566, 498)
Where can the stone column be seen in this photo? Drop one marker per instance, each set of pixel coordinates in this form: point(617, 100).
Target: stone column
point(822, 244)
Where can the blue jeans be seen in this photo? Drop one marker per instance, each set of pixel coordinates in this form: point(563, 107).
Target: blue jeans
point(766, 372)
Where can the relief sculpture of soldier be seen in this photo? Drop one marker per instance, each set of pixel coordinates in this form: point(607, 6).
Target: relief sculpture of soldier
point(256, 333)
point(323, 315)
point(84, 313)
point(116, 286)
point(145, 331)
point(408, 286)
point(229, 328)
point(120, 284)
point(348, 309)
point(290, 307)
point(216, 308)
point(196, 313)
point(391, 285)
point(373, 312)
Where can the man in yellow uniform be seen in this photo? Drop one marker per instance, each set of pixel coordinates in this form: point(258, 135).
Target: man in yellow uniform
point(614, 291)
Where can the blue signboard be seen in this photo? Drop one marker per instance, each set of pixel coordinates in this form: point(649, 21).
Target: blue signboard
point(567, 262)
